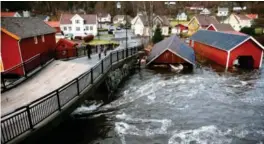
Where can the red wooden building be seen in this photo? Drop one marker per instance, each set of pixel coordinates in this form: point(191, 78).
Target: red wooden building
point(228, 49)
point(65, 49)
point(25, 42)
point(171, 51)
point(55, 25)
point(181, 28)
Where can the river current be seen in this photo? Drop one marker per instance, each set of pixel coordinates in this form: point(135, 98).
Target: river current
point(153, 107)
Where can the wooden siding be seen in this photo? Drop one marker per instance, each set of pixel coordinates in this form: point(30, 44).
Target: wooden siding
point(248, 48)
point(10, 54)
point(211, 28)
point(193, 26)
point(168, 57)
point(214, 54)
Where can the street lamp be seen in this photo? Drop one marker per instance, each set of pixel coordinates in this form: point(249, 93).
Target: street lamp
point(118, 6)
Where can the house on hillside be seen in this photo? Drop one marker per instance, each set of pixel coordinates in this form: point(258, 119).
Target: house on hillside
point(220, 27)
point(79, 24)
point(222, 12)
point(200, 22)
point(238, 21)
point(122, 19)
point(104, 20)
point(182, 16)
point(25, 40)
point(171, 51)
point(205, 11)
point(228, 49)
point(179, 28)
point(10, 14)
point(140, 25)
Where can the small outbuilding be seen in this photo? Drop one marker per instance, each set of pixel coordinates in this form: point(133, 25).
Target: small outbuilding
point(228, 49)
point(171, 51)
point(65, 49)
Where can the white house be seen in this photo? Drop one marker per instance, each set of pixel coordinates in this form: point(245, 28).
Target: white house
point(222, 12)
point(140, 25)
point(238, 21)
point(121, 19)
point(205, 11)
point(104, 20)
point(79, 25)
point(182, 16)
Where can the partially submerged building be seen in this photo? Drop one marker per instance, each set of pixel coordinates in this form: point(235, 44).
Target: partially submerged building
point(228, 49)
point(171, 51)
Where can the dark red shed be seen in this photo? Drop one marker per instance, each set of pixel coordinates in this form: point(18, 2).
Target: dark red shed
point(228, 49)
point(26, 43)
point(65, 49)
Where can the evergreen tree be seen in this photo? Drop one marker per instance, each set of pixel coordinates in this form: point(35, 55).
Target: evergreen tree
point(157, 35)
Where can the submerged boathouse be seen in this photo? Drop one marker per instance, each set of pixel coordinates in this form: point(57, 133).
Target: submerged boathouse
point(171, 51)
point(228, 49)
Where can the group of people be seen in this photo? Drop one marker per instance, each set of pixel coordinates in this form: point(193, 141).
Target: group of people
point(100, 49)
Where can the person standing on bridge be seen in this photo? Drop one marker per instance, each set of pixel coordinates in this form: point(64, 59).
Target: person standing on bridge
point(105, 50)
point(89, 51)
point(99, 51)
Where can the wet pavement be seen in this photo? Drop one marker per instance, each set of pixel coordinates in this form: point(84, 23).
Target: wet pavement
point(157, 107)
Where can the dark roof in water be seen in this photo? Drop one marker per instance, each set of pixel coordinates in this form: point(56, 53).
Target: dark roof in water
point(25, 27)
point(174, 44)
point(220, 40)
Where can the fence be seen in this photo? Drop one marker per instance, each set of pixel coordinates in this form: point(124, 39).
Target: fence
point(12, 76)
point(25, 118)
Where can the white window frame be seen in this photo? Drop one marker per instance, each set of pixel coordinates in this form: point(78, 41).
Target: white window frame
point(70, 28)
point(43, 38)
point(36, 39)
point(91, 28)
point(87, 28)
point(65, 28)
point(77, 21)
point(77, 29)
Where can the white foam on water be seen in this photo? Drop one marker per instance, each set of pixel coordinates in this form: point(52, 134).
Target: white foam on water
point(205, 134)
point(85, 109)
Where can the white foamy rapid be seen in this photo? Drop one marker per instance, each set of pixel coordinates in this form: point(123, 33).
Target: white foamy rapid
point(87, 109)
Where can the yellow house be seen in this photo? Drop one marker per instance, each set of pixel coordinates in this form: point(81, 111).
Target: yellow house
point(200, 22)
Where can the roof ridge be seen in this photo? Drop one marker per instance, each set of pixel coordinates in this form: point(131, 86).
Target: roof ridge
point(224, 32)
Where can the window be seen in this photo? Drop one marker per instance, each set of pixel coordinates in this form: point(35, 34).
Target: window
point(87, 28)
point(36, 40)
point(91, 28)
point(69, 28)
point(77, 28)
point(65, 28)
point(43, 38)
point(77, 21)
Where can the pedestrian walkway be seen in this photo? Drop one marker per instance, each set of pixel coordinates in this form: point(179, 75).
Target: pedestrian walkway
point(50, 78)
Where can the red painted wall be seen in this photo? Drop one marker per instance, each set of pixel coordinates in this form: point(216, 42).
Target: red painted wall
point(30, 49)
point(168, 58)
point(211, 28)
point(249, 48)
point(211, 53)
point(10, 54)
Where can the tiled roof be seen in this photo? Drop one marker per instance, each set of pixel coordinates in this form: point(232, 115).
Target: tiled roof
point(223, 27)
point(25, 27)
point(7, 14)
point(89, 18)
point(206, 20)
point(252, 16)
point(53, 23)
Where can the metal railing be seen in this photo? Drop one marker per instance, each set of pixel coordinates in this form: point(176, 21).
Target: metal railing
point(11, 76)
point(25, 118)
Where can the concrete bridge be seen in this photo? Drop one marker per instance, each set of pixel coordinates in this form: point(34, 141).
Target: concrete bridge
point(39, 116)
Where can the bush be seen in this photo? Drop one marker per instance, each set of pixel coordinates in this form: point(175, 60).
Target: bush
point(78, 37)
point(248, 30)
point(157, 35)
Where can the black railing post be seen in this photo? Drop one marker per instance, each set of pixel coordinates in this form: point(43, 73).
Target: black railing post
point(25, 70)
point(91, 75)
point(58, 99)
point(3, 81)
point(102, 64)
point(111, 58)
point(117, 57)
point(29, 118)
point(78, 87)
point(123, 54)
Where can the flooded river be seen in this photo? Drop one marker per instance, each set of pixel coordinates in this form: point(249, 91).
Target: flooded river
point(165, 108)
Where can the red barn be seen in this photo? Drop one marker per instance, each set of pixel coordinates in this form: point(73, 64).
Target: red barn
point(228, 49)
point(26, 42)
point(65, 49)
point(171, 51)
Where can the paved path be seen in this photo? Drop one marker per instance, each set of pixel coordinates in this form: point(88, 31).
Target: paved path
point(48, 79)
